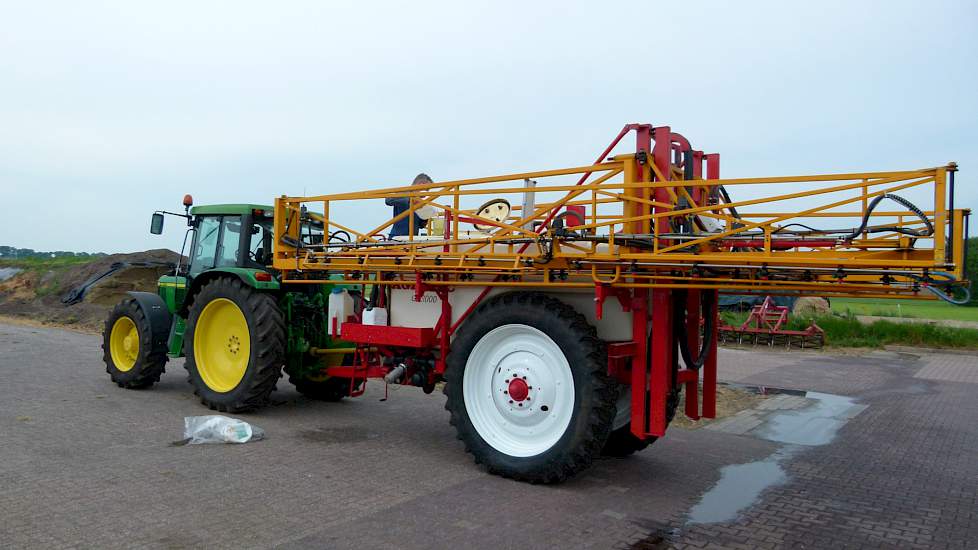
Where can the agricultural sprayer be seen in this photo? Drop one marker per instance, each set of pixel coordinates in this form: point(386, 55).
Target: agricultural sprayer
point(563, 311)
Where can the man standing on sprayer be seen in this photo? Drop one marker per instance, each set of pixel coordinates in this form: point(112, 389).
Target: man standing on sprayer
point(403, 226)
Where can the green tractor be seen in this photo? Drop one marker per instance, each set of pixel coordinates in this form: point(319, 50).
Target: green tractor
point(226, 312)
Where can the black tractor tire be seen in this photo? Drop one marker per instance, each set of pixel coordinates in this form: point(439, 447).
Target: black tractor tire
point(266, 333)
point(594, 392)
point(332, 389)
point(622, 442)
point(150, 360)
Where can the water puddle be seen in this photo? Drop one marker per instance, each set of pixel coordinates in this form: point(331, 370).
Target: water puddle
point(741, 485)
point(814, 425)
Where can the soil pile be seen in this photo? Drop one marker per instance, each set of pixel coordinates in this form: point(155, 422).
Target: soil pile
point(35, 294)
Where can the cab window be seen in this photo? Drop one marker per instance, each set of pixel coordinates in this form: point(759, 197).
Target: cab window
point(205, 244)
point(227, 255)
point(261, 243)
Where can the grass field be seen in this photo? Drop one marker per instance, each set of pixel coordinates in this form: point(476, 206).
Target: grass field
point(920, 309)
point(846, 331)
point(44, 264)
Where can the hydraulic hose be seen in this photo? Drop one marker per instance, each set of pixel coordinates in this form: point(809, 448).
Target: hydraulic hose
point(340, 236)
point(909, 205)
point(950, 299)
point(726, 199)
point(943, 295)
point(707, 300)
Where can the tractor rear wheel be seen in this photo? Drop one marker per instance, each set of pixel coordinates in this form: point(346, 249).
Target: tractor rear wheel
point(235, 345)
point(527, 388)
point(131, 358)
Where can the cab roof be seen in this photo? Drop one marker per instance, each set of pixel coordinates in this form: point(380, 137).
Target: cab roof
point(229, 209)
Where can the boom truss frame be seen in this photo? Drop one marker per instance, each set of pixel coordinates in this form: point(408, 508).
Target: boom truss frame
point(628, 236)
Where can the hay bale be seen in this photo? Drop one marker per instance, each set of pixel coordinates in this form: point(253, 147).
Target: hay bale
point(810, 306)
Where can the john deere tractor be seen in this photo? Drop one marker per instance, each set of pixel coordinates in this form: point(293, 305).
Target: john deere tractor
point(226, 312)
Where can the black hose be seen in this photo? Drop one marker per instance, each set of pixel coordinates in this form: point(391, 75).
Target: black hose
point(337, 235)
point(707, 300)
point(726, 199)
point(909, 205)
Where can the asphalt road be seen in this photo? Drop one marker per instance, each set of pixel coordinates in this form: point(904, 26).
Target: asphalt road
point(84, 463)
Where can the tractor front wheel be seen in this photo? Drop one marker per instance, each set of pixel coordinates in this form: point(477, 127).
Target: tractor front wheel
point(131, 357)
point(235, 345)
point(527, 388)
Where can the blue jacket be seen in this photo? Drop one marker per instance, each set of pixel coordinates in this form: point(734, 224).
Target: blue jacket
point(403, 225)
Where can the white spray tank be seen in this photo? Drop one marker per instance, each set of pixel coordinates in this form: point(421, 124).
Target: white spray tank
point(340, 307)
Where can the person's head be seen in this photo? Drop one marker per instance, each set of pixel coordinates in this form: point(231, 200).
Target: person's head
point(421, 179)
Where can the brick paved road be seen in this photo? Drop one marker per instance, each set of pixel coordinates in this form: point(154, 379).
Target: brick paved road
point(84, 463)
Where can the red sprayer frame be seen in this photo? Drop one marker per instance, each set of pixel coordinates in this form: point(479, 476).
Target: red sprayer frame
point(647, 362)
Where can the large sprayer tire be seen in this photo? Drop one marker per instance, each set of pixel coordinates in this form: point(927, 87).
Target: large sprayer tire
point(527, 388)
point(235, 345)
point(131, 357)
point(622, 442)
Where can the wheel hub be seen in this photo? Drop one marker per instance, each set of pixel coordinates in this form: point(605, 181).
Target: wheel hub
point(519, 390)
point(234, 344)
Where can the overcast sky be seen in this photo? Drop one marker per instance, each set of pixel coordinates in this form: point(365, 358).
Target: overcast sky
point(110, 110)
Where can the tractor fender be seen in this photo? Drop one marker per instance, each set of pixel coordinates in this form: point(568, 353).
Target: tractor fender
point(156, 313)
point(247, 276)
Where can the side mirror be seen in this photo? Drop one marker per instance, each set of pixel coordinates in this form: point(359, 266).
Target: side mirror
point(156, 226)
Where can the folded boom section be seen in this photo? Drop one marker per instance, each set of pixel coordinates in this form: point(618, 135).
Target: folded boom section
point(657, 218)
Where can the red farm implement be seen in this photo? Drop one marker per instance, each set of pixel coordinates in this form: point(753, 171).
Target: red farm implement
point(766, 325)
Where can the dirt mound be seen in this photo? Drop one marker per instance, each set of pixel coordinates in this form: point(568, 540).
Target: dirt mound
point(36, 294)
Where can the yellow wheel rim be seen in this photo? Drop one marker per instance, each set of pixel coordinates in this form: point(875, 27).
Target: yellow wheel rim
point(124, 344)
point(222, 345)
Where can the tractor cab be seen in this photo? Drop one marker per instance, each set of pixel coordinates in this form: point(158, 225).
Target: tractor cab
point(230, 235)
point(222, 238)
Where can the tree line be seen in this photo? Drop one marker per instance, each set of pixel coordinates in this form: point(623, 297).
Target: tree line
point(10, 252)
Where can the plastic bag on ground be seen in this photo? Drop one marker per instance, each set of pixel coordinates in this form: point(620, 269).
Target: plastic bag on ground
point(215, 428)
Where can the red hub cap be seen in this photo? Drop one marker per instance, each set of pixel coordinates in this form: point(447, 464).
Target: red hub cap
point(518, 390)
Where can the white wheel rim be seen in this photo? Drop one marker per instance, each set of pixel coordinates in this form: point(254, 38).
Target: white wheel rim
point(524, 359)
